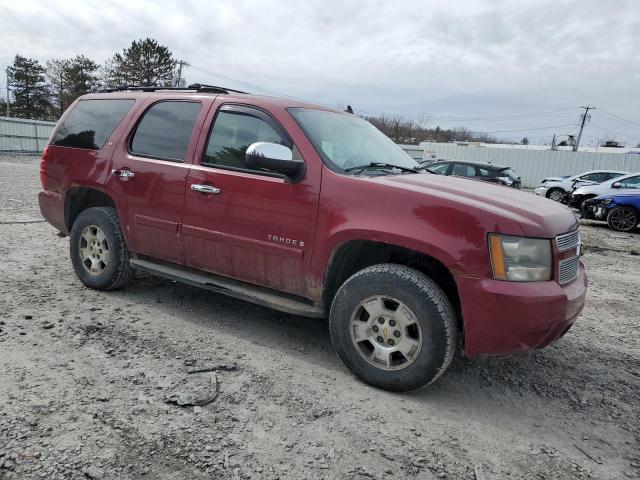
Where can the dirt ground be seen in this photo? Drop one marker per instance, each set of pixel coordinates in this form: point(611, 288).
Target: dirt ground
point(84, 375)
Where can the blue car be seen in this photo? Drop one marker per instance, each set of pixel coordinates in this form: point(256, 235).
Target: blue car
point(621, 211)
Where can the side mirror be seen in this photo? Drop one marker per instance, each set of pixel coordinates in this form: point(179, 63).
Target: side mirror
point(616, 185)
point(274, 158)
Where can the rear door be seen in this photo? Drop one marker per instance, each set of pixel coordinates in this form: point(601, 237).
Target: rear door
point(257, 227)
point(149, 172)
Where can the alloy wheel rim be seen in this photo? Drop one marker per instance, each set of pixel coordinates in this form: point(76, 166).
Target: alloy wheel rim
point(386, 332)
point(556, 196)
point(623, 219)
point(94, 250)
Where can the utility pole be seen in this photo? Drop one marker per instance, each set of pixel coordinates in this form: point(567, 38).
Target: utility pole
point(181, 63)
point(7, 72)
point(585, 117)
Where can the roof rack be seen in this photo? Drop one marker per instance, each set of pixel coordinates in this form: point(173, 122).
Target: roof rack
point(194, 86)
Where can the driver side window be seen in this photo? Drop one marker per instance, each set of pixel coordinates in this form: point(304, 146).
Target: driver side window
point(233, 132)
point(631, 182)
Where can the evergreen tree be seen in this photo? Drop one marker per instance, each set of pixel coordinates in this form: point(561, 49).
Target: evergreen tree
point(145, 63)
point(28, 88)
point(71, 78)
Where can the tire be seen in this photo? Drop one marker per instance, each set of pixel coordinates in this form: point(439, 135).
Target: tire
point(556, 194)
point(98, 251)
point(623, 219)
point(433, 332)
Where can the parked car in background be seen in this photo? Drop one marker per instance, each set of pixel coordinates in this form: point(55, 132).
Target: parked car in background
point(487, 172)
point(621, 211)
point(629, 183)
point(557, 188)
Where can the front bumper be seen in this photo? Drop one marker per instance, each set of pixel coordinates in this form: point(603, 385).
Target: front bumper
point(542, 191)
point(52, 209)
point(501, 318)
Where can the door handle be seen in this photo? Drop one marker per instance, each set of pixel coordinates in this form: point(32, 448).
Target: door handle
point(124, 173)
point(204, 188)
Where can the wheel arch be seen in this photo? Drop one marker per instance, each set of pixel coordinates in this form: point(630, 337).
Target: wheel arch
point(352, 256)
point(79, 198)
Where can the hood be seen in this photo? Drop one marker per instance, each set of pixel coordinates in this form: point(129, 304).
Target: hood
point(537, 217)
point(597, 189)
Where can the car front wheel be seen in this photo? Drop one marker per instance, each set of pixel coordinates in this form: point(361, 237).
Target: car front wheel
point(556, 194)
point(622, 219)
point(394, 327)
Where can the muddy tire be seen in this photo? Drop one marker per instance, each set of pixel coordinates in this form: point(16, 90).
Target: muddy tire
point(393, 327)
point(556, 194)
point(98, 251)
point(623, 219)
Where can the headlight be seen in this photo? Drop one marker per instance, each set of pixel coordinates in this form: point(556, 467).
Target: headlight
point(520, 259)
point(505, 180)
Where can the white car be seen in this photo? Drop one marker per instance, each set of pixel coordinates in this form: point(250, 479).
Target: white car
point(629, 183)
point(557, 188)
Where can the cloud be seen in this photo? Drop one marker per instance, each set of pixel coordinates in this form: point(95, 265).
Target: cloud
point(465, 58)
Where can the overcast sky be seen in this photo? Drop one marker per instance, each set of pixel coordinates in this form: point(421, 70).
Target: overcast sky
point(469, 63)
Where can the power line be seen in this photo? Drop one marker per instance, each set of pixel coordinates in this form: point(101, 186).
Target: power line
point(256, 87)
point(525, 129)
point(523, 116)
point(608, 130)
point(636, 125)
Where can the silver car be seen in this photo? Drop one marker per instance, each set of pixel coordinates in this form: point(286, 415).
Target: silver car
point(557, 188)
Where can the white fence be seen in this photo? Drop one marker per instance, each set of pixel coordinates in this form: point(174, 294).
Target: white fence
point(24, 136)
point(534, 164)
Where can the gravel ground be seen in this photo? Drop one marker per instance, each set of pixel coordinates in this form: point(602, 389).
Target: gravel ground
point(84, 376)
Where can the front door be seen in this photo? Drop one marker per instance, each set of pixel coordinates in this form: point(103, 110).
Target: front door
point(149, 173)
point(249, 225)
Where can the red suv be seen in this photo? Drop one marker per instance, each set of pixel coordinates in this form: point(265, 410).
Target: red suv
point(314, 212)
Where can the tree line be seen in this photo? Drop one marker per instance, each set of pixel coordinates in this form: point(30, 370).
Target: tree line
point(43, 92)
point(401, 129)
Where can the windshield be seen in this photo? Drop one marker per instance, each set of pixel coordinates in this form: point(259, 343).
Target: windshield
point(346, 141)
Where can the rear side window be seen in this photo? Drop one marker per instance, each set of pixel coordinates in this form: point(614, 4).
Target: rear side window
point(91, 122)
point(610, 176)
point(165, 130)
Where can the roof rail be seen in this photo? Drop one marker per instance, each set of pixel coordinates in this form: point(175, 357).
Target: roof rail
point(212, 88)
point(194, 86)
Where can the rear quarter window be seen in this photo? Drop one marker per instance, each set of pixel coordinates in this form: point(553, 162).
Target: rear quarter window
point(91, 122)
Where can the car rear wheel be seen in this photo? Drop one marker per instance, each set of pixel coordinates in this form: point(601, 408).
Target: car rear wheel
point(98, 251)
point(622, 219)
point(393, 327)
point(556, 194)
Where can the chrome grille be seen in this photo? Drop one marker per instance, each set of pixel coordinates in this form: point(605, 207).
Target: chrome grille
point(568, 269)
point(568, 241)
